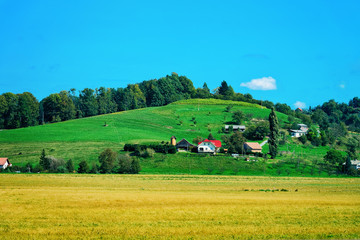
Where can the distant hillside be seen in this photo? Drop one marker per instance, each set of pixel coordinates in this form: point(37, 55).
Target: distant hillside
point(85, 138)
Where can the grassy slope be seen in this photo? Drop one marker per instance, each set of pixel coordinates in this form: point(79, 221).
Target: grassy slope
point(86, 138)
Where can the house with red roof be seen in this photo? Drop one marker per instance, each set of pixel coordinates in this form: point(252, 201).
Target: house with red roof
point(4, 163)
point(209, 146)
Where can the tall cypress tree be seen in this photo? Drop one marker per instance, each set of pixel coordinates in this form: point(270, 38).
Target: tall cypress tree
point(274, 134)
point(44, 161)
point(347, 164)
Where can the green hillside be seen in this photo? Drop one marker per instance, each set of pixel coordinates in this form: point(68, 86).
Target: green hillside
point(86, 138)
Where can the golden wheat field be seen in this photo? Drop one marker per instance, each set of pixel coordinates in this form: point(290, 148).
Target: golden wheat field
point(177, 207)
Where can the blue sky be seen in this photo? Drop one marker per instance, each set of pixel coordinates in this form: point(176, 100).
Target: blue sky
point(302, 51)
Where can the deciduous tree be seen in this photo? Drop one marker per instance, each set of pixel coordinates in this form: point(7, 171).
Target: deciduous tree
point(107, 160)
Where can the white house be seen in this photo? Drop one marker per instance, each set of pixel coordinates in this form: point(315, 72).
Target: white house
point(206, 147)
point(209, 146)
point(297, 133)
point(4, 163)
point(355, 164)
point(303, 127)
point(302, 130)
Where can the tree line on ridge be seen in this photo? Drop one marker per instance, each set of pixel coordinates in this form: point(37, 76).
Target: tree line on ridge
point(23, 110)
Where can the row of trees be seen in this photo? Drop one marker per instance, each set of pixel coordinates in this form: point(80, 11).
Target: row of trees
point(109, 162)
point(336, 159)
point(18, 110)
point(22, 110)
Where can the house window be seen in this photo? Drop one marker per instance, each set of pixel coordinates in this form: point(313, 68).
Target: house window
point(201, 149)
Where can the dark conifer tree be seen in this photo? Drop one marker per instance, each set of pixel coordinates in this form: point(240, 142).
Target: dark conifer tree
point(83, 167)
point(223, 88)
point(211, 137)
point(44, 161)
point(274, 134)
point(70, 166)
point(206, 88)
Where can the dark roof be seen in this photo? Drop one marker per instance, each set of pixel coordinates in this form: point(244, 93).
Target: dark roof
point(184, 143)
point(235, 126)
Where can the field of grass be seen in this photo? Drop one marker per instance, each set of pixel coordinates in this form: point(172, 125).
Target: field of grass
point(74, 206)
point(84, 139)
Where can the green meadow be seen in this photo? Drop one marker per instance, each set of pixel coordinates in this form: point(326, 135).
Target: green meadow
point(84, 139)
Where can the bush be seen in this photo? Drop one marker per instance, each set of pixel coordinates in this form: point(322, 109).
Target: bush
point(303, 139)
point(228, 108)
point(257, 132)
point(54, 163)
point(135, 166)
point(148, 153)
point(128, 164)
point(198, 139)
point(37, 168)
point(316, 142)
point(107, 160)
point(61, 169)
point(160, 148)
point(83, 167)
point(94, 168)
point(334, 158)
point(124, 163)
point(70, 166)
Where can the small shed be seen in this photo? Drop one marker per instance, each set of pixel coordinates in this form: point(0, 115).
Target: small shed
point(252, 147)
point(184, 145)
point(4, 163)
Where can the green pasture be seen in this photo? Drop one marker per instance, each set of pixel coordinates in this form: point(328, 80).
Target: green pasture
point(84, 139)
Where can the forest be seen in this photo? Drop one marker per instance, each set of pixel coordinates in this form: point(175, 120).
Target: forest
point(23, 110)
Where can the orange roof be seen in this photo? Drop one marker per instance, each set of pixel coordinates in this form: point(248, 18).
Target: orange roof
point(253, 145)
point(3, 161)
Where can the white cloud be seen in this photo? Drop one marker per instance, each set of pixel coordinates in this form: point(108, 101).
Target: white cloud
point(299, 104)
point(342, 85)
point(265, 83)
